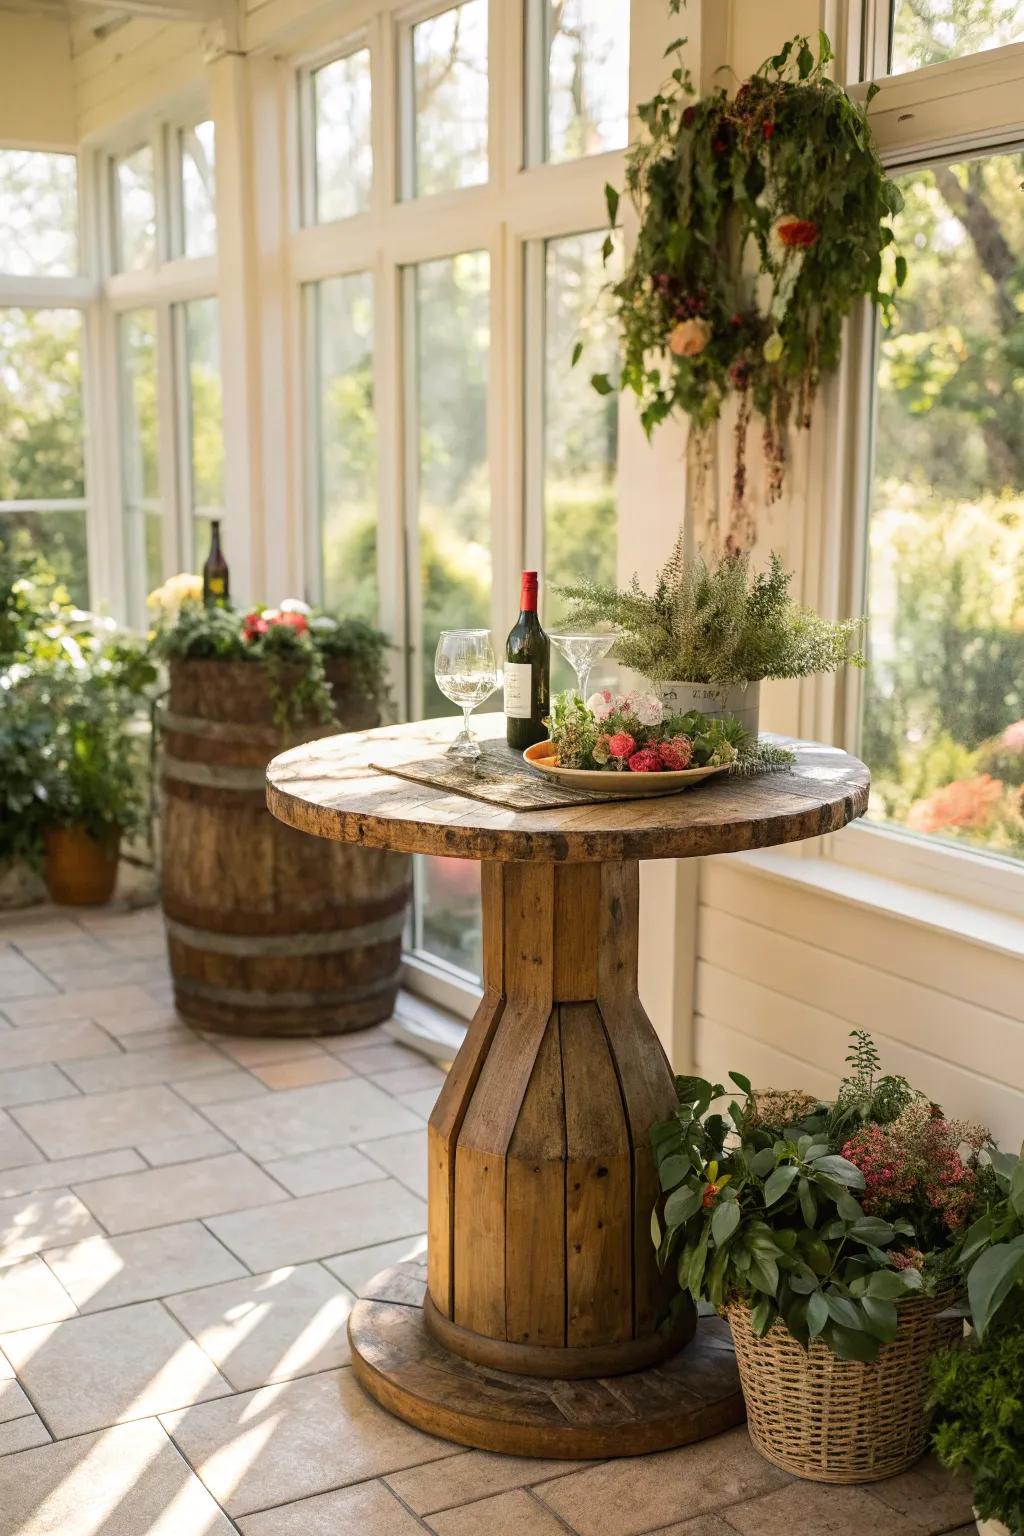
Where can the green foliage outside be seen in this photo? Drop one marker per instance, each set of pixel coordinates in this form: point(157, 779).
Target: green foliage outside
point(978, 1399)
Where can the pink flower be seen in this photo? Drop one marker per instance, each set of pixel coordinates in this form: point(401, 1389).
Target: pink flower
point(676, 754)
point(645, 761)
point(253, 626)
point(689, 338)
point(601, 703)
point(621, 744)
point(1013, 737)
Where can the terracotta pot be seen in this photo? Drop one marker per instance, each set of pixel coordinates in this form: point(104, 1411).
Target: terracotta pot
point(742, 700)
point(80, 870)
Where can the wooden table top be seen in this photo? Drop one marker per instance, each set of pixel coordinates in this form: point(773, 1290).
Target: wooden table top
point(327, 787)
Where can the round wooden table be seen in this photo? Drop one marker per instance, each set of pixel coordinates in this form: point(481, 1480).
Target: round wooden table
point(535, 1327)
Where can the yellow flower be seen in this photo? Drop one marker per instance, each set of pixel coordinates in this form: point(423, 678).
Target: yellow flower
point(773, 348)
point(166, 601)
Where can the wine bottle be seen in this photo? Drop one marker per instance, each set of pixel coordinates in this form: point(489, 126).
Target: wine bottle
point(527, 672)
point(215, 572)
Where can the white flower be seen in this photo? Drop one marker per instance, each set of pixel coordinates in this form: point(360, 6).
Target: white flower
point(601, 704)
point(295, 605)
point(648, 708)
point(323, 621)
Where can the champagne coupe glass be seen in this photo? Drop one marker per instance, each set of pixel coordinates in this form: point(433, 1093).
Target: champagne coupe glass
point(581, 651)
point(466, 672)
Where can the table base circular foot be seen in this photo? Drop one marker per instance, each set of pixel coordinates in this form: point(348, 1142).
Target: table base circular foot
point(400, 1364)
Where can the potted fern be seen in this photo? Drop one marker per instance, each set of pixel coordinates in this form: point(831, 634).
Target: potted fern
point(712, 631)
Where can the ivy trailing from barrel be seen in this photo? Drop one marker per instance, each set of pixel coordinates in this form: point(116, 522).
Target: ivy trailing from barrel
point(293, 641)
point(763, 218)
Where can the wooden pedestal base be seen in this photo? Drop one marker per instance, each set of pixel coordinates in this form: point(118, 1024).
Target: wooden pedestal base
point(399, 1362)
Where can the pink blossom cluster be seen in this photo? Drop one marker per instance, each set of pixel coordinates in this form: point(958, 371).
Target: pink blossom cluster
point(917, 1160)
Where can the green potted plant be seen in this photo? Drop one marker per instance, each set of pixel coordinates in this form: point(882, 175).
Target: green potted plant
point(978, 1386)
point(711, 631)
point(825, 1233)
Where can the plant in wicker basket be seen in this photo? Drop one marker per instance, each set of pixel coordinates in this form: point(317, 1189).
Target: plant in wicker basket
point(828, 1239)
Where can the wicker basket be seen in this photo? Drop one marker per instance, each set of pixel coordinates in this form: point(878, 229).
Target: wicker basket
point(840, 1421)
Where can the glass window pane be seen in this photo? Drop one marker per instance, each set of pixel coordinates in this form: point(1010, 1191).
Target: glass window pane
point(452, 345)
point(136, 336)
point(41, 425)
point(450, 919)
point(341, 325)
point(450, 99)
point(343, 152)
point(944, 694)
point(580, 426)
point(206, 440)
point(59, 538)
point(586, 46)
point(198, 206)
point(929, 31)
point(38, 214)
point(135, 189)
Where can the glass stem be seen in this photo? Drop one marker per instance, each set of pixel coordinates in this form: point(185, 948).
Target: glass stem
point(467, 710)
point(583, 678)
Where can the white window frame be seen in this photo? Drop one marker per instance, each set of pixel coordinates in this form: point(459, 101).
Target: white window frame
point(510, 216)
point(79, 292)
point(965, 106)
point(164, 287)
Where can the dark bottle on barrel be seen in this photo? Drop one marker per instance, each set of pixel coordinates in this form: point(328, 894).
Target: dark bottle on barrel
point(215, 572)
point(527, 672)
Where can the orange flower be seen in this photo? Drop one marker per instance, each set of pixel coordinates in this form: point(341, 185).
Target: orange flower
point(966, 804)
point(689, 338)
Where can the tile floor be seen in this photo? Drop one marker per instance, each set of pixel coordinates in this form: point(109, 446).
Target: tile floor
point(184, 1224)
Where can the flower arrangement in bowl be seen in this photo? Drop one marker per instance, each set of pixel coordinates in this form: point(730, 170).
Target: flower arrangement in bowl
point(630, 744)
point(827, 1233)
point(712, 630)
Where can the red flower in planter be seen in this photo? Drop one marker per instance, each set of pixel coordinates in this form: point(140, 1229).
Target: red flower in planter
point(797, 232)
point(253, 626)
point(645, 761)
point(621, 744)
point(292, 621)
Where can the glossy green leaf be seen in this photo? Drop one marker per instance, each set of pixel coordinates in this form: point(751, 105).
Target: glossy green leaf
point(835, 1167)
point(602, 383)
point(991, 1280)
point(817, 1313)
point(808, 1204)
point(673, 1169)
point(778, 1183)
point(680, 1206)
point(725, 1220)
point(741, 1082)
point(844, 1311)
point(850, 1344)
point(881, 1317)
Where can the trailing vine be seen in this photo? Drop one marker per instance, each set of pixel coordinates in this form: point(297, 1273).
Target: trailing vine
point(763, 217)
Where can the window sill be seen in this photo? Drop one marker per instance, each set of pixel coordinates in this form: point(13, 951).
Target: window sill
point(961, 920)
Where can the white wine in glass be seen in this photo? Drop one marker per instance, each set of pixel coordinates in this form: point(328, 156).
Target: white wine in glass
point(466, 672)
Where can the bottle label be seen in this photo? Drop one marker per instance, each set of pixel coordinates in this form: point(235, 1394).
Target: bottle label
point(216, 584)
point(518, 690)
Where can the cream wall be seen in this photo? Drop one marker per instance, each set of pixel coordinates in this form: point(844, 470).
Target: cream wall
point(37, 101)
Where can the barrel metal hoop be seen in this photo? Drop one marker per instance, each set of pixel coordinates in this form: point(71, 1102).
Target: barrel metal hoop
point(289, 945)
point(213, 775)
point(238, 730)
point(242, 997)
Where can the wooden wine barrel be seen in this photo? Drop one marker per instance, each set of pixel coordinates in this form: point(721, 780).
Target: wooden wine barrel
point(270, 932)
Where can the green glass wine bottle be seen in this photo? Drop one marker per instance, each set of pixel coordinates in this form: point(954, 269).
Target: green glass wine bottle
point(527, 672)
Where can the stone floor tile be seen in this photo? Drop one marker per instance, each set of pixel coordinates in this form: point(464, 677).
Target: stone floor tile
point(98, 1122)
point(306, 1119)
point(13, 1402)
point(259, 1053)
point(817, 1509)
point(82, 953)
point(311, 1173)
point(387, 1056)
point(221, 1087)
point(421, 1102)
point(15, 1146)
point(403, 1156)
point(24, 981)
point(150, 1039)
point(295, 1439)
point(310, 1227)
point(291, 1322)
point(507, 1514)
point(935, 1498)
point(31, 1294)
point(33, 1085)
point(46, 927)
point(20, 1435)
point(108, 1073)
point(471, 1476)
point(72, 1170)
point(151, 1020)
point(53, 1042)
point(92, 1372)
point(104, 1272)
point(126, 1481)
point(212, 1187)
point(299, 1074)
point(708, 1525)
point(358, 1267)
point(407, 1079)
point(184, 1149)
point(643, 1493)
point(83, 1003)
point(6, 1368)
point(368, 1509)
point(43, 1219)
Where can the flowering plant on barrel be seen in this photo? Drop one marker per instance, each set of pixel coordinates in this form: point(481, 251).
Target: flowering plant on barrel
point(823, 1215)
point(763, 217)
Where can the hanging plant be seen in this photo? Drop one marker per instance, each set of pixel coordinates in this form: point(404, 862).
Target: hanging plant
point(762, 220)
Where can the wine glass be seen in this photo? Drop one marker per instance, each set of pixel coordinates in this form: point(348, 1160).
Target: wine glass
point(581, 651)
point(466, 672)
